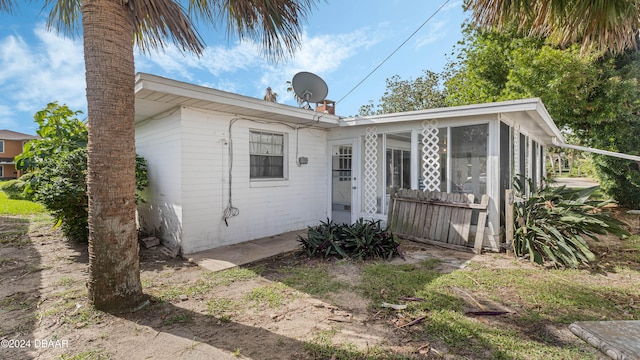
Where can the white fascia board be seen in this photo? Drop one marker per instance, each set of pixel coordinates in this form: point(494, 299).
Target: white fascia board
point(448, 112)
point(179, 88)
point(533, 107)
point(541, 110)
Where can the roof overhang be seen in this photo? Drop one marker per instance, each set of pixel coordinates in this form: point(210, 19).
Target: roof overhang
point(528, 113)
point(156, 95)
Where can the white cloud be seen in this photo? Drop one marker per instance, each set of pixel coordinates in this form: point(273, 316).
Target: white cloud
point(452, 5)
point(435, 32)
point(321, 55)
point(49, 69)
point(241, 68)
point(215, 60)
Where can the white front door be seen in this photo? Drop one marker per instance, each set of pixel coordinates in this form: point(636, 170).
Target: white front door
point(343, 180)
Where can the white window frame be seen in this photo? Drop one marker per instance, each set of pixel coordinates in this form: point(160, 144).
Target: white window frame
point(285, 147)
point(1, 171)
point(2, 146)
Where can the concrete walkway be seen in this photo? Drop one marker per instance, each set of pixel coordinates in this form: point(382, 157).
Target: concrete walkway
point(239, 254)
point(574, 182)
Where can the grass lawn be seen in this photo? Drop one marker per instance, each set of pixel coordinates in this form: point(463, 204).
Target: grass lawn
point(19, 207)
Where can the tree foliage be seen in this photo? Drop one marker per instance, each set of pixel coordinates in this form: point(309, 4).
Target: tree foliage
point(62, 189)
point(597, 99)
point(57, 165)
point(423, 92)
point(60, 131)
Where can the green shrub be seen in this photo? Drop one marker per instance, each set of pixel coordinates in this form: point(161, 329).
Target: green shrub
point(14, 189)
point(553, 223)
point(62, 188)
point(361, 240)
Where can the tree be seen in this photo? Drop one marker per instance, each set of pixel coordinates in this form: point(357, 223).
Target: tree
point(595, 98)
point(60, 131)
point(57, 169)
point(424, 92)
point(110, 29)
point(596, 25)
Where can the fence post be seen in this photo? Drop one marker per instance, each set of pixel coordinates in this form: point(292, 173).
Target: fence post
point(508, 220)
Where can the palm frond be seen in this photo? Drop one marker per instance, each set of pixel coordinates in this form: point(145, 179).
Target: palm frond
point(156, 21)
point(7, 6)
point(595, 25)
point(276, 24)
point(64, 17)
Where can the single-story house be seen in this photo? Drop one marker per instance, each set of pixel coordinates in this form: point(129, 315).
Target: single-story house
point(226, 168)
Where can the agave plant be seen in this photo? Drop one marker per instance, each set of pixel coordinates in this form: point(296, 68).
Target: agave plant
point(360, 240)
point(553, 224)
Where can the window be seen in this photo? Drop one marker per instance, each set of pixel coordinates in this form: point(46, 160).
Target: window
point(1, 171)
point(343, 159)
point(469, 159)
point(266, 152)
point(1, 146)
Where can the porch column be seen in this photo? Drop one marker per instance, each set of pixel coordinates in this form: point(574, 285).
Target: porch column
point(370, 171)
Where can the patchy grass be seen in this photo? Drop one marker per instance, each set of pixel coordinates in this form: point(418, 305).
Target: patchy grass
point(227, 277)
point(322, 347)
point(70, 307)
point(544, 298)
point(384, 282)
point(272, 295)
point(87, 355)
point(65, 281)
point(224, 308)
point(19, 207)
point(179, 318)
point(311, 280)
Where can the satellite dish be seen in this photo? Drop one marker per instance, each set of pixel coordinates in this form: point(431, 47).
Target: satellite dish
point(309, 87)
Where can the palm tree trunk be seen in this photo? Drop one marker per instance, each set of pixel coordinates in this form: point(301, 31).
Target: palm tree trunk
point(114, 269)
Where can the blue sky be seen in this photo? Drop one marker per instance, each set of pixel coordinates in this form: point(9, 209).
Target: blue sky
point(342, 42)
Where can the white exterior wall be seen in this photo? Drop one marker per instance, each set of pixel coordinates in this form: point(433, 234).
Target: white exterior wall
point(267, 207)
point(158, 140)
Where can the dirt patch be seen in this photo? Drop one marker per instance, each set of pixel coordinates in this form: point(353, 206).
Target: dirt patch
point(194, 315)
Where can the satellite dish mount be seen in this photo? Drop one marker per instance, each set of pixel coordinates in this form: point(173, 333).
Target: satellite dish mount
point(309, 88)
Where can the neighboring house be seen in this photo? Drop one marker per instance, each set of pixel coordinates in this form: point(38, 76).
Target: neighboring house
point(226, 168)
point(11, 145)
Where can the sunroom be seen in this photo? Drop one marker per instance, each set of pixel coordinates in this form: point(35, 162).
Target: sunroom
point(475, 149)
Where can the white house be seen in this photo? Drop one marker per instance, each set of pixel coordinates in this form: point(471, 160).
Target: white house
point(226, 168)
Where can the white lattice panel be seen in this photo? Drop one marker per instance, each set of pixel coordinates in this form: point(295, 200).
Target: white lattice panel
point(370, 170)
point(430, 156)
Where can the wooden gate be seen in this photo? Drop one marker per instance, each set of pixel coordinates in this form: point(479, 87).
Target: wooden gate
point(437, 218)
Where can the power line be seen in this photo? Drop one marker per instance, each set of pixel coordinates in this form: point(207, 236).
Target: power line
point(394, 51)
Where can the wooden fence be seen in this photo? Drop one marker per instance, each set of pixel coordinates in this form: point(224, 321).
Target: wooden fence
point(437, 218)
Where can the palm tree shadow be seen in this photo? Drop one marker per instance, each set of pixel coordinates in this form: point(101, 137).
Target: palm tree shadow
point(221, 333)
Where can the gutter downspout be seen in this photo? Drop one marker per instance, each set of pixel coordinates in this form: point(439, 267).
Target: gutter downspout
point(595, 151)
